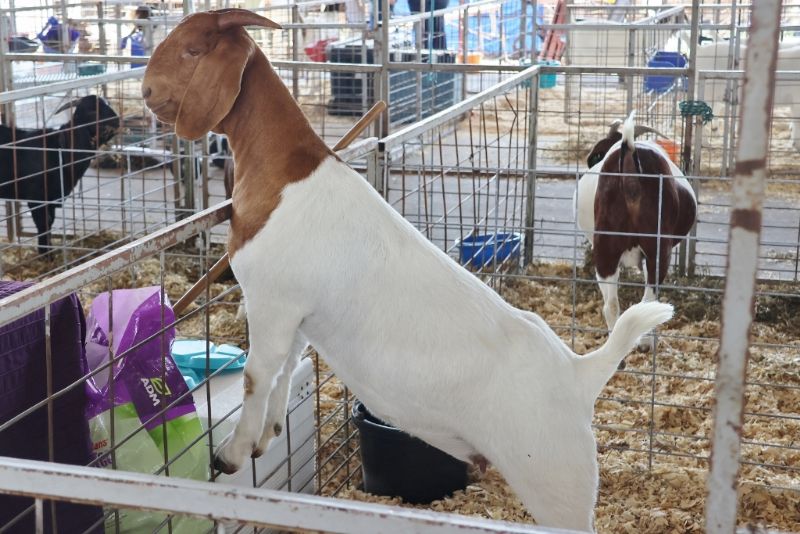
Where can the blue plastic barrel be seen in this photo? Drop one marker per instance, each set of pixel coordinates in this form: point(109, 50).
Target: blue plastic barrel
point(664, 60)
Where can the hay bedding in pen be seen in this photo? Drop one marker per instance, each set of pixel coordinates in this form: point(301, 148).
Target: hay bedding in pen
point(632, 498)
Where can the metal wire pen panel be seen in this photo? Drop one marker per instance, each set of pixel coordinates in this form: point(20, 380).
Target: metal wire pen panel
point(471, 172)
point(101, 168)
point(188, 366)
point(485, 161)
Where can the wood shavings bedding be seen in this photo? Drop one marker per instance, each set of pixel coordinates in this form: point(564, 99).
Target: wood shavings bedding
point(670, 497)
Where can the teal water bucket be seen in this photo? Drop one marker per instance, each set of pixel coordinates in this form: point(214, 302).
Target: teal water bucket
point(547, 81)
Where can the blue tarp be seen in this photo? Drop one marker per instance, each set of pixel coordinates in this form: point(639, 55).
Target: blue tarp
point(489, 41)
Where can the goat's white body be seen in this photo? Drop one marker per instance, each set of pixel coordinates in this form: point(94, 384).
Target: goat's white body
point(423, 343)
point(384, 295)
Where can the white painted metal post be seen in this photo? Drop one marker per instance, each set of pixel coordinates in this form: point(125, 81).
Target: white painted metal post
point(745, 231)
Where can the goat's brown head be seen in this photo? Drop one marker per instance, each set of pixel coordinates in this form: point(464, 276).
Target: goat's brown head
point(601, 148)
point(195, 74)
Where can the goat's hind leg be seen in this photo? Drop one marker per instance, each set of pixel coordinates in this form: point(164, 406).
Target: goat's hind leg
point(608, 288)
point(647, 342)
point(270, 343)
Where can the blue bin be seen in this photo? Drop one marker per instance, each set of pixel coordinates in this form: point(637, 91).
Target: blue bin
point(547, 81)
point(481, 250)
point(664, 60)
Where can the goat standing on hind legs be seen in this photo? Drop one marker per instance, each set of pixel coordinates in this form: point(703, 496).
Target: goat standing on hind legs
point(635, 205)
point(322, 258)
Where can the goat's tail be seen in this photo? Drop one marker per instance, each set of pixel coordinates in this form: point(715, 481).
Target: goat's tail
point(629, 131)
point(629, 164)
point(596, 368)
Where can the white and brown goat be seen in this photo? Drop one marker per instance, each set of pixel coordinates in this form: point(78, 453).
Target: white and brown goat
point(322, 258)
point(617, 205)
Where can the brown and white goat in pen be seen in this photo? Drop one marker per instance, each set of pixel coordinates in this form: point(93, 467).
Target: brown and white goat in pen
point(322, 258)
point(632, 194)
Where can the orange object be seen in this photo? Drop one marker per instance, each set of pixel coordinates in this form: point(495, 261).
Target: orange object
point(474, 57)
point(672, 148)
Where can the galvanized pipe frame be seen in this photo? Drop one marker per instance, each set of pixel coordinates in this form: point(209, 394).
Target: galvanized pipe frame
point(395, 139)
point(20, 304)
point(220, 502)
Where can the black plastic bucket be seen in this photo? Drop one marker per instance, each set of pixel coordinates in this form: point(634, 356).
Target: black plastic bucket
point(399, 465)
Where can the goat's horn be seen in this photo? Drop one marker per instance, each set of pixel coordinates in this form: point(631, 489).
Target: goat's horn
point(641, 129)
point(67, 105)
point(614, 127)
point(232, 18)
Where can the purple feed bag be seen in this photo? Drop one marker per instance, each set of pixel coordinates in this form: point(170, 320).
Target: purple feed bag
point(23, 383)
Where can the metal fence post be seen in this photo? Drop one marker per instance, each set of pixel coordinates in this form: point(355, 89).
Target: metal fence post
point(295, 52)
point(691, 243)
point(383, 40)
point(530, 197)
point(6, 110)
point(375, 170)
point(739, 298)
point(686, 151)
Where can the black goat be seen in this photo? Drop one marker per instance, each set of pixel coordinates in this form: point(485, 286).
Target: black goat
point(34, 161)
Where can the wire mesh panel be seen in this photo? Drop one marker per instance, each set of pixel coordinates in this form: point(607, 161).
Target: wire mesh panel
point(462, 181)
point(485, 164)
point(620, 36)
point(653, 419)
point(85, 167)
point(720, 135)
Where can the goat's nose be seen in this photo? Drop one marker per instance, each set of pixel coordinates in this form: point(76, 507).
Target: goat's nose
point(146, 92)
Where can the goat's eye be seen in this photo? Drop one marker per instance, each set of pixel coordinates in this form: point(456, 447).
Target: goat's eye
point(194, 52)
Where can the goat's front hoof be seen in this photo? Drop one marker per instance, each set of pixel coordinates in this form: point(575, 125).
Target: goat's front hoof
point(221, 465)
point(621, 365)
point(231, 455)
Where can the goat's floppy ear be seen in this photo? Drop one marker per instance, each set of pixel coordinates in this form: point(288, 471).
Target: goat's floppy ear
point(214, 86)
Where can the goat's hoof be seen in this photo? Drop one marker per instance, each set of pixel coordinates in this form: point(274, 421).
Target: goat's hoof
point(277, 428)
point(221, 465)
point(232, 454)
point(621, 365)
point(646, 345)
